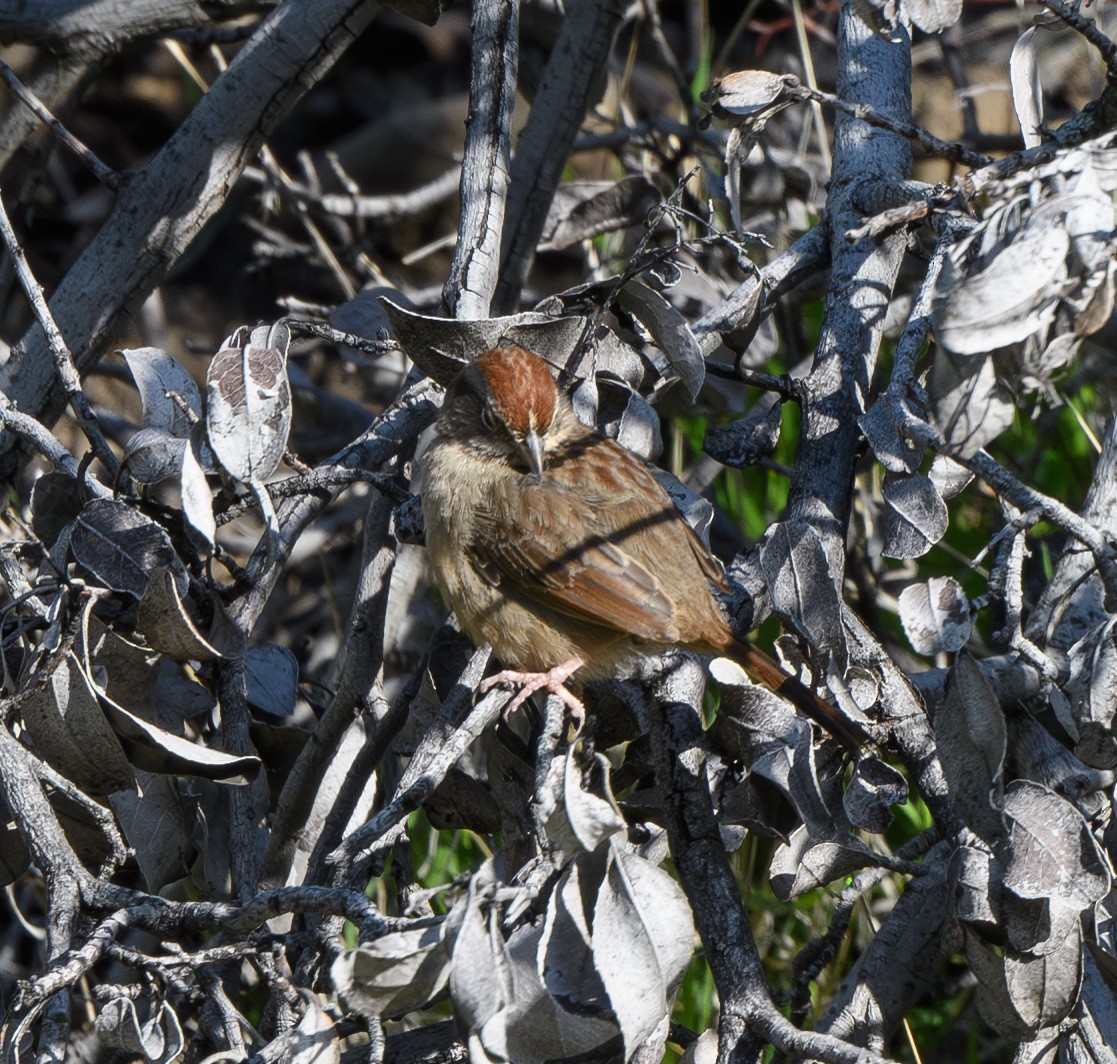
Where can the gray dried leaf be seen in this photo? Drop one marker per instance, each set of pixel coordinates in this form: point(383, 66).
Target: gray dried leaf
point(1037, 926)
point(933, 16)
point(697, 511)
point(643, 939)
point(882, 426)
point(971, 734)
point(166, 624)
point(157, 1040)
point(759, 729)
point(1090, 705)
point(394, 974)
point(129, 671)
point(635, 425)
point(248, 402)
point(1043, 989)
point(1034, 754)
point(64, 718)
point(153, 455)
point(197, 502)
point(704, 1050)
point(1012, 296)
point(802, 586)
point(752, 96)
point(583, 210)
point(1089, 216)
point(314, 1039)
point(157, 827)
point(610, 356)
point(155, 749)
point(969, 406)
point(172, 402)
point(747, 441)
point(935, 615)
point(1051, 850)
point(498, 992)
point(993, 1000)
point(441, 346)
point(804, 864)
point(55, 502)
point(977, 889)
point(948, 476)
point(121, 548)
point(751, 717)
point(873, 789)
point(1027, 92)
point(271, 679)
point(669, 330)
point(566, 962)
point(592, 819)
point(1095, 1034)
point(915, 516)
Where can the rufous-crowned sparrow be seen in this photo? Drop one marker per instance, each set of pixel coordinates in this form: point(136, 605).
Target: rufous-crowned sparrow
point(559, 548)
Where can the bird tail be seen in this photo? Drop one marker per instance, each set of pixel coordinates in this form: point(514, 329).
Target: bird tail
point(765, 671)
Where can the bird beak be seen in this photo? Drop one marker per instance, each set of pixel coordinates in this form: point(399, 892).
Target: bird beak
point(533, 448)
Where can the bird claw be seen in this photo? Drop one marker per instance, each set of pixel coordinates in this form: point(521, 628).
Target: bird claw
point(553, 680)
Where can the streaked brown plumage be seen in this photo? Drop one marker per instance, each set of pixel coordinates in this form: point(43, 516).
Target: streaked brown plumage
point(559, 547)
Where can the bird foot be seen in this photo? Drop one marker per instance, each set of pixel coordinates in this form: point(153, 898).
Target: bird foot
point(553, 680)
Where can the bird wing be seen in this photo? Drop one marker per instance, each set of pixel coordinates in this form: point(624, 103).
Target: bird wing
point(567, 551)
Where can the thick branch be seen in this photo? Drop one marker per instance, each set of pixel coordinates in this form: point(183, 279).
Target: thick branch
point(484, 181)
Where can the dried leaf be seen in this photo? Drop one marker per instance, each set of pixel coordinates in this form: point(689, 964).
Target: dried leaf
point(197, 501)
point(1044, 989)
point(248, 399)
point(1051, 850)
point(971, 734)
point(1012, 297)
point(583, 210)
point(1027, 92)
point(751, 95)
point(272, 679)
point(873, 789)
point(394, 974)
point(948, 476)
point(441, 346)
point(882, 426)
point(797, 571)
point(977, 889)
point(993, 1000)
point(166, 624)
point(935, 615)
point(157, 828)
point(157, 1040)
point(969, 405)
point(62, 715)
point(165, 389)
point(55, 502)
point(915, 516)
point(121, 548)
point(669, 330)
point(592, 819)
point(933, 16)
point(629, 419)
point(153, 455)
point(315, 1039)
point(804, 864)
point(642, 943)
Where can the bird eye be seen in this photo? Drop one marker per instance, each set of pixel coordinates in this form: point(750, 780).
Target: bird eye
point(487, 418)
